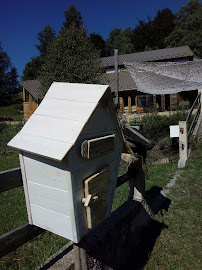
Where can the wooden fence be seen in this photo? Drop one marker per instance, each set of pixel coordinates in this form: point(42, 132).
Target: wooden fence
point(11, 240)
point(185, 132)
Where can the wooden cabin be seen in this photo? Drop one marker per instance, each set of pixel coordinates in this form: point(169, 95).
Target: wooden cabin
point(30, 97)
point(70, 150)
point(130, 99)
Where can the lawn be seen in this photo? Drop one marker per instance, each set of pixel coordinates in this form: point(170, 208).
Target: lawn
point(32, 254)
point(12, 112)
point(179, 246)
point(174, 249)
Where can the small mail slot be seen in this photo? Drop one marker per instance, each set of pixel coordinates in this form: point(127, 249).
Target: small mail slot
point(99, 146)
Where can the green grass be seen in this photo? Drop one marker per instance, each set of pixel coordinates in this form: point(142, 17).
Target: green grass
point(8, 156)
point(12, 112)
point(179, 246)
point(175, 247)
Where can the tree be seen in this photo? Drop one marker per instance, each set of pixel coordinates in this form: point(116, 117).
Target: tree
point(150, 34)
point(72, 16)
point(70, 58)
point(45, 37)
point(188, 27)
point(32, 68)
point(8, 78)
point(120, 40)
point(99, 43)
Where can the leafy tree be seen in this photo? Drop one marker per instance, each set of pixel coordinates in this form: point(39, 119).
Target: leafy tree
point(188, 27)
point(99, 43)
point(120, 40)
point(70, 58)
point(150, 34)
point(8, 78)
point(72, 16)
point(45, 37)
point(32, 68)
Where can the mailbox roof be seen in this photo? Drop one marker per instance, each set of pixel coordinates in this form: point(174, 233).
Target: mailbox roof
point(54, 127)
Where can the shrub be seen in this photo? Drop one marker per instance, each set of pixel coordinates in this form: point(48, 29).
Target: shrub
point(156, 126)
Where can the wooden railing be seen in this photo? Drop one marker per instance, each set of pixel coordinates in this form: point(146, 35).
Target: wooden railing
point(11, 179)
point(185, 131)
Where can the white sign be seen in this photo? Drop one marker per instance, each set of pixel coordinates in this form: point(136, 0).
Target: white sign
point(174, 131)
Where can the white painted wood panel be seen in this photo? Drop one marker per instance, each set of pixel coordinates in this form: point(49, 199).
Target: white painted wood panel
point(78, 92)
point(47, 172)
point(41, 146)
point(74, 110)
point(51, 221)
point(53, 128)
point(50, 198)
point(24, 179)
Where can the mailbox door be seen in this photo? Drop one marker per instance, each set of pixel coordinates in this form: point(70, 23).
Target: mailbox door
point(96, 189)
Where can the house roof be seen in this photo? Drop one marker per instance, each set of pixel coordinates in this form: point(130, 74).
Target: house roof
point(54, 127)
point(154, 55)
point(125, 80)
point(32, 86)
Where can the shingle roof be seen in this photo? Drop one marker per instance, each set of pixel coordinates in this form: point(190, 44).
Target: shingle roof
point(155, 55)
point(32, 86)
point(125, 80)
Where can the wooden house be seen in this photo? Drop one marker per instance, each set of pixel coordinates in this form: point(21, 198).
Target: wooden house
point(130, 99)
point(70, 151)
point(30, 97)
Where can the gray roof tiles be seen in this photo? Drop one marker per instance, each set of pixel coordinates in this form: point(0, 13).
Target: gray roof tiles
point(125, 80)
point(155, 55)
point(32, 86)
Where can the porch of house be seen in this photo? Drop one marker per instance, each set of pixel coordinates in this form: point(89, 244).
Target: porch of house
point(133, 101)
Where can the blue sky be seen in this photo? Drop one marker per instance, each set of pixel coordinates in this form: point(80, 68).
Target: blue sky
point(21, 20)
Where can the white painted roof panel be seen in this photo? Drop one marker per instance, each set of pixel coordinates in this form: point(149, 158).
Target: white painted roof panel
point(56, 124)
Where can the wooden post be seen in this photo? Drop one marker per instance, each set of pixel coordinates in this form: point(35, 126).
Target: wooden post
point(183, 144)
point(23, 94)
point(30, 105)
point(154, 101)
point(200, 91)
point(121, 102)
point(129, 104)
point(116, 99)
point(163, 102)
point(80, 262)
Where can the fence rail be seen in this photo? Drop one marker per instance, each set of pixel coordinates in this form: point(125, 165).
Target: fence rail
point(11, 240)
point(185, 132)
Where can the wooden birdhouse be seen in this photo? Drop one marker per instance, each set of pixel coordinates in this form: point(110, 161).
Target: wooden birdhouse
point(70, 150)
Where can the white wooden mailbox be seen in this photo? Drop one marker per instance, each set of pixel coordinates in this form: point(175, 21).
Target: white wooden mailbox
point(70, 151)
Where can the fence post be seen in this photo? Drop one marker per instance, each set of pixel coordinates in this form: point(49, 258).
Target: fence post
point(183, 144)
point(80, 259)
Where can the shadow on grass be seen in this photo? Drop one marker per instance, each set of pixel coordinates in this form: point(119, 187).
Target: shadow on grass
point(126, 239)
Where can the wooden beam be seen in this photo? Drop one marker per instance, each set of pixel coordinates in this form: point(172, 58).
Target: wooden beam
point(10, 179)
point(116, 99)
point(17, 237)
point(154, 101)
point(163, 102)
point(129, 104)
point(121, 102)
point(30, 97)
point(23, 94)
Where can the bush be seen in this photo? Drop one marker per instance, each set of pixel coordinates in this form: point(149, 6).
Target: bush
point(156, 126)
